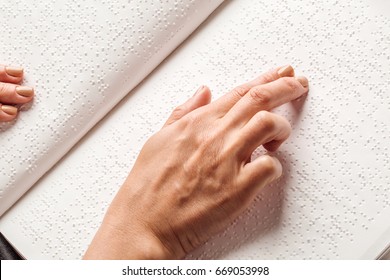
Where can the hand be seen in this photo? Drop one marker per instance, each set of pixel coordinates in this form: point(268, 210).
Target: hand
point(11, 93)
point(194, 176)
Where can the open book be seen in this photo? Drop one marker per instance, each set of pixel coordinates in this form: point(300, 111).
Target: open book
point(107, 74)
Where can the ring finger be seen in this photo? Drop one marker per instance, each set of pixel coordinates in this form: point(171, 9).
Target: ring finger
point(265, 128)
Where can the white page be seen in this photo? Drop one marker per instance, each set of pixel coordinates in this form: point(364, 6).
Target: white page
point(82, 58)
point(333, 199)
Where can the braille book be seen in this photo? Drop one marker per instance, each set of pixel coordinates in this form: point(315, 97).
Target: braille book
point(107, 74)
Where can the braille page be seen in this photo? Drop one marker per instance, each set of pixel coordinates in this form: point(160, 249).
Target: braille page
point(332, 201)
point(81, 58)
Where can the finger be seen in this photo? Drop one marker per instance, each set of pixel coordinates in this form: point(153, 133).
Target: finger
point(226, 102)
point(259, 173)
point(15, 94)
point(267, 97)
point(273, 145)
point(264, 128)
point(7, 113)
point(11, 74)
point(201, 97)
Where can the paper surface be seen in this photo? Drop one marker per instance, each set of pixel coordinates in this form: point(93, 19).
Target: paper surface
point(333, 199)
point(81, 58)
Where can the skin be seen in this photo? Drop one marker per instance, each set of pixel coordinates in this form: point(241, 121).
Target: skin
point(194, 176)
point(12, 94)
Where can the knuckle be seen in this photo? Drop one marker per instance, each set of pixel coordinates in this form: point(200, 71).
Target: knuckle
point(266, 120)
point(268, 77)
point(2, 88)
point(193, 119)
point(239, 91)
point(6, 89)
point(260, 95)
point(269, 165)
point(291, 83)
point(178, 112)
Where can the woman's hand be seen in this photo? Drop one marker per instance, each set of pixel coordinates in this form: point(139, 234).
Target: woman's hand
point(11, 93)
point(194, 176)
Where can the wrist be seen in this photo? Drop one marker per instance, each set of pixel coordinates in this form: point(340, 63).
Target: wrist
point(122, 237)
point(117, 242)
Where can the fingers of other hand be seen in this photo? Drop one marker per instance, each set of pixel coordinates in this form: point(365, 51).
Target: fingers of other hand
point(10, 74)
point(226, 102)
point(201, 98)
point(7, 113)
point(15, 94)
point(267, 97)
point(11, 92)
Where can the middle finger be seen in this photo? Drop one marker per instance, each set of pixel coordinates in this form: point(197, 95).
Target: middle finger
point(266, 97)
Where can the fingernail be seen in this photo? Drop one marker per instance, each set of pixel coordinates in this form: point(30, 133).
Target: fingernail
point(14, 71)
point(25, 91)
point(286, 71)
point(303, 80)
point(199, 90)
point(10, 110)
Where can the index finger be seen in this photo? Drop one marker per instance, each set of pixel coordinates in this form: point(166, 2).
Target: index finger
point(267, 97)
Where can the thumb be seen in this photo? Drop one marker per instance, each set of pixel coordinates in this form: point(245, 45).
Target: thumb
point(201, 97)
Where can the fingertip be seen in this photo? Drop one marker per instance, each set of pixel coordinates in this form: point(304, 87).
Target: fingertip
point(7, 113)
point(303, 81)
point(207, 94)
point(11, 74)
point(198, 91)
point(261, 172)
point(25, 91)
point(202, 96)
point(14, 71)
point(272, 167)
point(286, 71)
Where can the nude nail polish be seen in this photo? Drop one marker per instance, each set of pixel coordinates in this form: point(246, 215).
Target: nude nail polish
point(303, 80)
point(286, 71)
point(14, 71)
point(10, 110)
point(25, 91)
